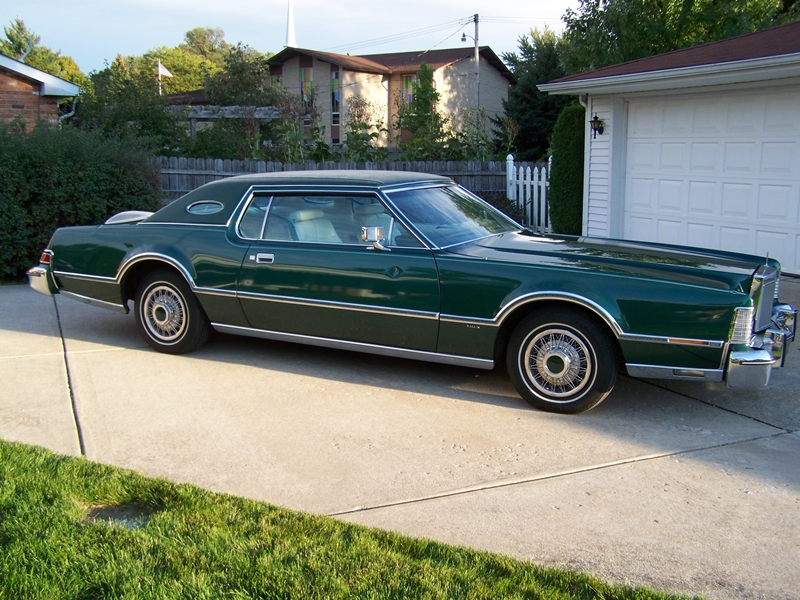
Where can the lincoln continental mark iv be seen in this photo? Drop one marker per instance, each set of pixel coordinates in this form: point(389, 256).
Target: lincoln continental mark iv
point(413, 266)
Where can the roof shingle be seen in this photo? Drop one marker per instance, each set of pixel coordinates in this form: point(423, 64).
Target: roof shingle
point(775, 41)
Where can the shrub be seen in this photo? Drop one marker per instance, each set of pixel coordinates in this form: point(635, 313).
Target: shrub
point(565, 200)
point(51, 178)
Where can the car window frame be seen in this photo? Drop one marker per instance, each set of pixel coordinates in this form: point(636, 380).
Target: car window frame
point(429, 243)
point(380, 198)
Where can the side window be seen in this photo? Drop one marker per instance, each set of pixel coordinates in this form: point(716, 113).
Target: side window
point(332, 220)
point(252, 224)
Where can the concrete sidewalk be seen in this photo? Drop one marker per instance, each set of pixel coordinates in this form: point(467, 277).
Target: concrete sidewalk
point(686, 488)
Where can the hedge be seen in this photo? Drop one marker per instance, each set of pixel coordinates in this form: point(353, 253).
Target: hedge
point(51, 178)
point(565, 198)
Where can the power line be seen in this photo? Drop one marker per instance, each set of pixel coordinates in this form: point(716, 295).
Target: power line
point(403, 35)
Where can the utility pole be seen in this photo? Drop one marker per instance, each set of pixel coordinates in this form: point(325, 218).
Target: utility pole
point(477, 67)
point(464, 37)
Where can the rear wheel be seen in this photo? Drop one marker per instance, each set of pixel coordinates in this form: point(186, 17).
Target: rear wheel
point(168, 314)
point(561, 361)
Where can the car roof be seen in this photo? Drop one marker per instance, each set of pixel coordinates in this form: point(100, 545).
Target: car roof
point(230, 191)
point(371, 178)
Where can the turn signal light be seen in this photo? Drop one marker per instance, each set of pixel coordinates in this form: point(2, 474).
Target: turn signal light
point(46, 257)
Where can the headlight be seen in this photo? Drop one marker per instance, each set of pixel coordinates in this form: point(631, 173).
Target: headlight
point(742, 325)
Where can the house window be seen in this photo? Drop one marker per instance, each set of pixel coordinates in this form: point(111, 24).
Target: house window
point(408, 87)
point(335, 90)
point(335, 94)
point(276, 76)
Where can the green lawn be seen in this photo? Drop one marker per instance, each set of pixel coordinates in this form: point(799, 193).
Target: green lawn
point(70, 528)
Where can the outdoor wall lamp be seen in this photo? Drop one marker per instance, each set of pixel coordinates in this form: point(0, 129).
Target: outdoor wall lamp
point(597, 126)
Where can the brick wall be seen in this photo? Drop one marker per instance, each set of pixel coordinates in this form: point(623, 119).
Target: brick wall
point(19, 97)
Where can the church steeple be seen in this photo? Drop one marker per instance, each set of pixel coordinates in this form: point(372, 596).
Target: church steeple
point(291, 40)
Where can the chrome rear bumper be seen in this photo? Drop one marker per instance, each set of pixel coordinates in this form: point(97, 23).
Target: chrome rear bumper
point(40, 278)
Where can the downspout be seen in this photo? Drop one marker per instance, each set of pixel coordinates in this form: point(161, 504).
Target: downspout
point(66, 116)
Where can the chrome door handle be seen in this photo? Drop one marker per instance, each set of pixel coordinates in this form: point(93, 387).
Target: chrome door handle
point(262, 258)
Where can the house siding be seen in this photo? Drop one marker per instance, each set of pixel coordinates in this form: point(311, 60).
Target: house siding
point(596, 208)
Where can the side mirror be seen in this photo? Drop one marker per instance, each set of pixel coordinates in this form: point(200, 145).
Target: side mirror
point(374, 235)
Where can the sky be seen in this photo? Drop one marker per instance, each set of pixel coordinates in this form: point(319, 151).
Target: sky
point(93, 32)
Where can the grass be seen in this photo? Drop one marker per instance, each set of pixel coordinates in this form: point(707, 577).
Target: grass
point(74, 529)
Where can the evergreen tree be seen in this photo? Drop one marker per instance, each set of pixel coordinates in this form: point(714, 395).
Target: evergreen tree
point(534, 113)
point(20, 40)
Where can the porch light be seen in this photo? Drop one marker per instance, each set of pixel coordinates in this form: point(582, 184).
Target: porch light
point(597, 126)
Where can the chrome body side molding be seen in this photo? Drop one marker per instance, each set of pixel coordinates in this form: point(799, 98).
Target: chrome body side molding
point(85, 277)
point(447, 359)
point(660, 339)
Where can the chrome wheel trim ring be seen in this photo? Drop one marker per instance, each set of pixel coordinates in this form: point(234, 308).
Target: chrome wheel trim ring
point(164, 313)
point(558, 364)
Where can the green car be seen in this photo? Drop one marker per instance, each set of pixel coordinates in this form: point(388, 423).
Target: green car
point(413, 266)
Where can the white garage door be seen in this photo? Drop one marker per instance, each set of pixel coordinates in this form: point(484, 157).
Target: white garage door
point(716, 171)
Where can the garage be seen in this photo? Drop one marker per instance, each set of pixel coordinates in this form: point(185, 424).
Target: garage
point(716, 171)
point(698, 147)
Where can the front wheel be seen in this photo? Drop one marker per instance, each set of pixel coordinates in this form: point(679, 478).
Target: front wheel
point(561, 361)
point(168, 314)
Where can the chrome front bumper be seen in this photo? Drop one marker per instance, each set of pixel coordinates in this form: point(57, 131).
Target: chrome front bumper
point(750, 366)
point(41, 279)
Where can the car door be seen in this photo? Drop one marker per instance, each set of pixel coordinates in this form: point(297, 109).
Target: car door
point(307, 272)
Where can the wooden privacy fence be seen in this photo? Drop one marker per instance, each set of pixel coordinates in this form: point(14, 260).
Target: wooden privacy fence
point(182, 175)
point(524, 183)
point(527, 185)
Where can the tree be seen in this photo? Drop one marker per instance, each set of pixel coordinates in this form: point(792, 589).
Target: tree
point(189, 70)
point(605, 32)
point(424, 130)
point(244, 79)
point(19, 40)
point(208, 43)
point(363, 128)
point(530, 114)
point(123, 102)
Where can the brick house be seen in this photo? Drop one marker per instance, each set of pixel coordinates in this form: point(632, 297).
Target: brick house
point(31, 94)
point(379, 78)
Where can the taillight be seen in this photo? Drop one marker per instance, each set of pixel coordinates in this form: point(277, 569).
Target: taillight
point(46, 257)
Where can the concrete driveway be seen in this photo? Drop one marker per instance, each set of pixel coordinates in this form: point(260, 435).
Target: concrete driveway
point(686, 488)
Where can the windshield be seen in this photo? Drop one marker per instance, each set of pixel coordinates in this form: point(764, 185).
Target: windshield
point(449, 215)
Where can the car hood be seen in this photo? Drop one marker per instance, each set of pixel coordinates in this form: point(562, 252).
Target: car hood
point(722, 270)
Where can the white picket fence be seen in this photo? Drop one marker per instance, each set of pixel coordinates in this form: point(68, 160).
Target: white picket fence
point(527, 186)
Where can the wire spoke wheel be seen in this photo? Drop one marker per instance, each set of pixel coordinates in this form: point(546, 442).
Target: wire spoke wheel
point(168, 314)
point(558, 363)
point(561, 360)
point(165, 313)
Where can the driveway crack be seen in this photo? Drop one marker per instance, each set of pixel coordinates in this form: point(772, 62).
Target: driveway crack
point(565, 473)
point(75, 415)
